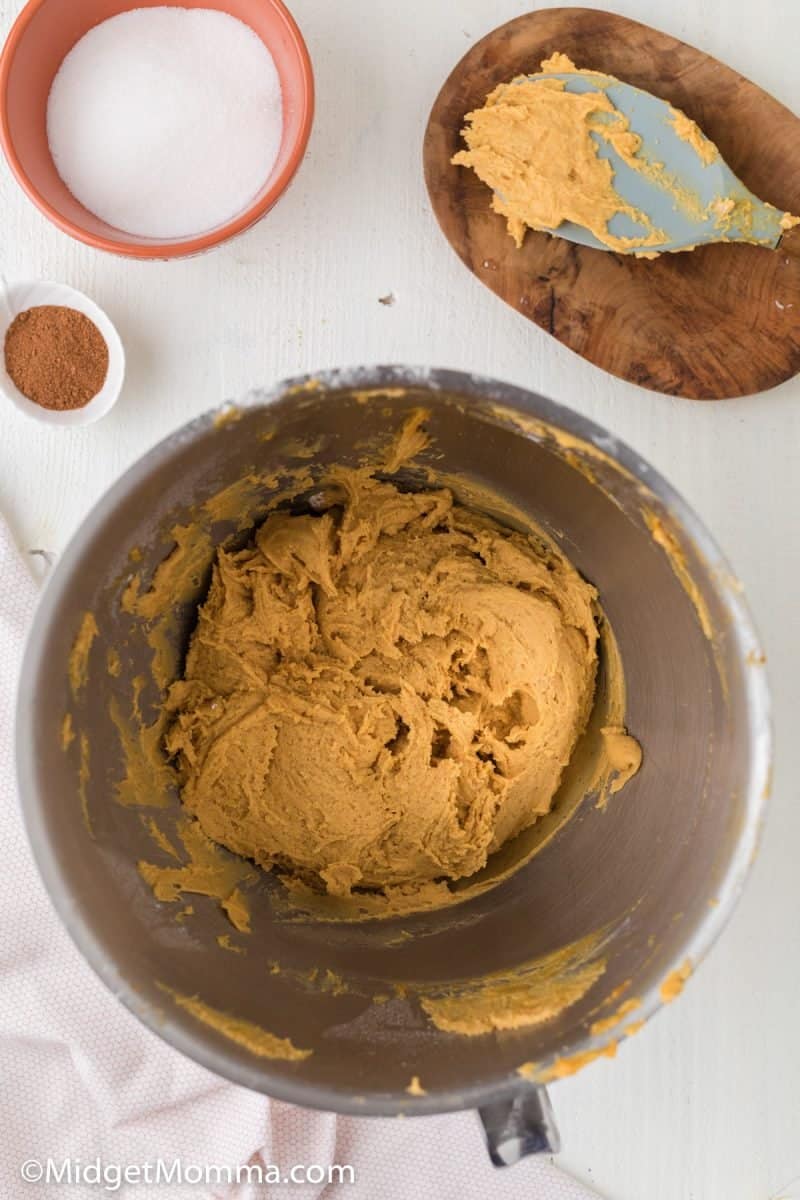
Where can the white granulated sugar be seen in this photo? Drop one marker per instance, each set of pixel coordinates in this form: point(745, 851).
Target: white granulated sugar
point(166, 122)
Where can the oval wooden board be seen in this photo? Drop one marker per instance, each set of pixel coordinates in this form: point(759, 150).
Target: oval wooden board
point(719, 321)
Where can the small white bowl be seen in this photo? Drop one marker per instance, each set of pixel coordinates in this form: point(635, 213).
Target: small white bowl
point(17, 298)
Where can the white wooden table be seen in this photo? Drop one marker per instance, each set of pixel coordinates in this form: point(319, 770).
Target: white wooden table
point(705, 1104)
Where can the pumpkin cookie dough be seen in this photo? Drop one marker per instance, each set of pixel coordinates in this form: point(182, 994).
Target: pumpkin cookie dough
point(380, 694)
point(532, 144)
point(535, 144)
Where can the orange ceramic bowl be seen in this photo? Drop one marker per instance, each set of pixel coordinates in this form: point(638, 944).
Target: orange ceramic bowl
point(45, 32)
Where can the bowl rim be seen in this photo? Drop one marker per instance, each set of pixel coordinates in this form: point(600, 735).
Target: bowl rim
point(160, 249)
point(211, 1051)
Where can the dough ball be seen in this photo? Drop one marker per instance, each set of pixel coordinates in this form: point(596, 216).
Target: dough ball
point(382, 695)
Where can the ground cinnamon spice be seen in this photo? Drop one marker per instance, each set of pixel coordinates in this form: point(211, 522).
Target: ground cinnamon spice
point(56, 356)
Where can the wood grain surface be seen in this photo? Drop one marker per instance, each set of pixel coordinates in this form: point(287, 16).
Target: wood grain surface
point(720, 321)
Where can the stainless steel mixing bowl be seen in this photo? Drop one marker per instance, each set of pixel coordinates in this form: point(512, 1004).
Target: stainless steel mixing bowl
point(660, 868)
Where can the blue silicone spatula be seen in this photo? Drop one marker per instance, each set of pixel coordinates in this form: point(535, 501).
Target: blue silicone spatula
point(684, 225)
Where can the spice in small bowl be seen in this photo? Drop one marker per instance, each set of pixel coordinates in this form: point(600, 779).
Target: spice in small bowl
point(62, 360)
point(56, 356)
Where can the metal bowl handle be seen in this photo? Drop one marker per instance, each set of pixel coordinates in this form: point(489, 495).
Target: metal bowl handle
point(520, 1126)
